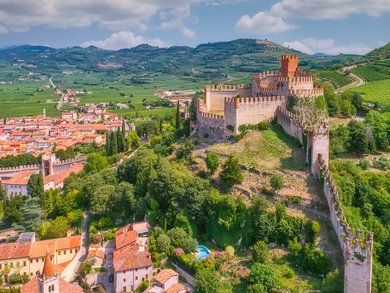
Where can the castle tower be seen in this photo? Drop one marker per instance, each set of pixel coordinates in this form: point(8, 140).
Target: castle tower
point(48, 281)
point(48, 160)
point(289, 65)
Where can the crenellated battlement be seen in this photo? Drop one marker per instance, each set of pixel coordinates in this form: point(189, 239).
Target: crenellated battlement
point(296, 118)
point(70, 161)
point(235, 101)
point(296, 79)
point(211, 116)
point(216, 87)
point(20, 168)
point(289, 57)
point(315, 92)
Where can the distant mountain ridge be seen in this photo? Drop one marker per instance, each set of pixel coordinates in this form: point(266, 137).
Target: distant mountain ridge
point(217, 59)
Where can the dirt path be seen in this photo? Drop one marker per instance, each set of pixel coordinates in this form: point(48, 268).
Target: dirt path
point(358, 81)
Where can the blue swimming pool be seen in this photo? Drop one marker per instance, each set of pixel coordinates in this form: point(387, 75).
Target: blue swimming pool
point(203, 252)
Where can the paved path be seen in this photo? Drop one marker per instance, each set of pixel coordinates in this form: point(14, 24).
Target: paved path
point(84, 243)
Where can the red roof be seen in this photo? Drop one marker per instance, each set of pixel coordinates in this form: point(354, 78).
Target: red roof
point(124, 237)
point(129, 258)
point(14, 250)
point(165, 275)
point(39, 248)
point(20, 178)
point(177, 288)
point(64, 287)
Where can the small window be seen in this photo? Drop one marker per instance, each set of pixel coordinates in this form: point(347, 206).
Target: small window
point(124, 288)
point(11, 264)
point(52, 287)
point(31, 261)
point(136, 270)
point(37, 260)
point(31, 274)
point(136, 277)
point(43, 259)
point(124, 280)
point(24, 263)
point(71, 251)
point(147, 277)
point(64, 251)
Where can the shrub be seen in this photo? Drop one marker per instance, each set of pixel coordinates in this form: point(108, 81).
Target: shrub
point(142, 287)
point(212, 162)
point(312, 230)
point(264, 275)
point(260, 252)
point(190, 245)
point(277, 182)
point(207, 281)
point(333, 283)
point(256, 288)
point(364, 164)
point(18, 279)
point(230, 251)
point(163, 242)
point(187, 261)
point(231, 172)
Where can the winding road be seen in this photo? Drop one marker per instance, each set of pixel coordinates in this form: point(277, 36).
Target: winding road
point(358, 81)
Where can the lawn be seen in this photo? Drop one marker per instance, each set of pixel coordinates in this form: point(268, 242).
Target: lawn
point(376, 91)
point(267, 150)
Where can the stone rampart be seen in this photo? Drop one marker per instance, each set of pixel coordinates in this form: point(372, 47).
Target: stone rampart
point(315, 92)
point(9, 172)
point(66, 164)
point(356, 246)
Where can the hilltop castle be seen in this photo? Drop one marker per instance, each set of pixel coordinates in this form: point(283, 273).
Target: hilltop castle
point(225, 108)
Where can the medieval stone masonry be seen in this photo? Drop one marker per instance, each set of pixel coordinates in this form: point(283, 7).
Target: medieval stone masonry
point(224, 108)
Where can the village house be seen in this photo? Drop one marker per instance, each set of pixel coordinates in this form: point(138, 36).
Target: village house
point(49, 281)
point(131, 260)
point(167, 280)
point(27, 256)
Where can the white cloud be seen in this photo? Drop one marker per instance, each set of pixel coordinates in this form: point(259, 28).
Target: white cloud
point(20, 15)
point(274, 19)
point(262, 23)
point(123, 39)
point(186, 32)
point(328, 46)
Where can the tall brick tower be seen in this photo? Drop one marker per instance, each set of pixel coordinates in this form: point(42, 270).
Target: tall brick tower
point(289, 65)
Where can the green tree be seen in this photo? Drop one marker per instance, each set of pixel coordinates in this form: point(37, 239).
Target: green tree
point(177, 236)
point(231, 172)
point(12, 209)
point(333, 283)
point(123, 201)
point(358, 137)
point(206, 281)
point(113, 143)
point(163, 242)
point(133, 140)
point(108, 144)
point(212, 162)
point(101, 198)
point(35, 185)
point(312, 230)
point(190, 245)
point(56, 229)
point(120, 141)
point(95, 163)
point(260, 252)
point(3, 192)
point(32, 215)
point(184, 151)
point(177, 122)
point(263, 274)
point(277, 182)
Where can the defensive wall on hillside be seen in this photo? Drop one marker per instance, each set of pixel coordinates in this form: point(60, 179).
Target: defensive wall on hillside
point(58, 166)
point(355, 245)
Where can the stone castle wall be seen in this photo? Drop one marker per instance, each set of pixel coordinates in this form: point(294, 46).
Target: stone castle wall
point(214, 96)
point(243, 111)
point(357, 248)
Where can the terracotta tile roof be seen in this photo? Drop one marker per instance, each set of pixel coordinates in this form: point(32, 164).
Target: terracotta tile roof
point(64, 287)
point(129, 258)
point(20, 178)
point(48, 269)
point(165, 275)
point(95, 253)
point(124, 237)
point(177, 288)
point(14, 250)
point(39, 248)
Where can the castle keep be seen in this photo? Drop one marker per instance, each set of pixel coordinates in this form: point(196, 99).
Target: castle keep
point(225, 108)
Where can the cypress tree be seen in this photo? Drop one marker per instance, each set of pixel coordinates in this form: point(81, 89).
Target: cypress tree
point(178, 115)
point(113, 143)
point(120, 141)
point(123, 129)
point(108, 144)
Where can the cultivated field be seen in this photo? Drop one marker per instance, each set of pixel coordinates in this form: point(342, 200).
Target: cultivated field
point(376, 91)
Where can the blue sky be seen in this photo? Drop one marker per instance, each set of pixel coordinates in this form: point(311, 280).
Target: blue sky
point(328, 26)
